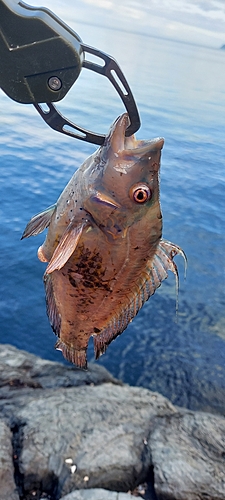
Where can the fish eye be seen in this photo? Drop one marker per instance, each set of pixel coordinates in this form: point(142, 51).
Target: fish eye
point(140, 193)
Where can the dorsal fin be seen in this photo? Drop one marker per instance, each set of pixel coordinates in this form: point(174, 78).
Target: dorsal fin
point(39, 222)
point(157, 271)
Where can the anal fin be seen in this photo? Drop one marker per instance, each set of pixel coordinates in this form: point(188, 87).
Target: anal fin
point(52, 311)
point(38, 223)
point(75, 356)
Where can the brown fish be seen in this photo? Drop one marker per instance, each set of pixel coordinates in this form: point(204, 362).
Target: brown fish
point(104, 247)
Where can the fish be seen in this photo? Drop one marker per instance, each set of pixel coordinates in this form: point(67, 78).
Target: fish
point(104, 246)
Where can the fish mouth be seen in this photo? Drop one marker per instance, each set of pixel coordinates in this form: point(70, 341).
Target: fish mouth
point(130, 146)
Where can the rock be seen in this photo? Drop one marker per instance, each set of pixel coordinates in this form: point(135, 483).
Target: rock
point(74, 431)
point(22, 370)
point(188, 453)
point(99, 494)
point(88, 437)
point(7, 483)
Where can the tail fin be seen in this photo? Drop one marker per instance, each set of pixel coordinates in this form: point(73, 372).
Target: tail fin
point(78, 358)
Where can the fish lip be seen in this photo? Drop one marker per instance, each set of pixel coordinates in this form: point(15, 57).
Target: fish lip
point(117, 132)
point(148, 146)
point(120, 143)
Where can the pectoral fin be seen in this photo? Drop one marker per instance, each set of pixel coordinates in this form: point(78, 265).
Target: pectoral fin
point(39, 222)
point(66, 246)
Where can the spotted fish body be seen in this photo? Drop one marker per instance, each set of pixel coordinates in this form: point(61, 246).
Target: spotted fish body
point(104, 248)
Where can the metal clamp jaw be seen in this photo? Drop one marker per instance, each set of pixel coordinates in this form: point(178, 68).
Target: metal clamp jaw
point(41, 58)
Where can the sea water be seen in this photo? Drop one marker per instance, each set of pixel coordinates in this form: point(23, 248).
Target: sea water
point(180, 93)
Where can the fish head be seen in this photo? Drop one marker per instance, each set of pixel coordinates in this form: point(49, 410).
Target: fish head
point(123, 182)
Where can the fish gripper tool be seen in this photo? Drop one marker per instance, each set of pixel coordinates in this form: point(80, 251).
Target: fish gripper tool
point(41, 58)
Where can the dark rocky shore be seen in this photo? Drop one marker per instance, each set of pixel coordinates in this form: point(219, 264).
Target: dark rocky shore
point(75, 435)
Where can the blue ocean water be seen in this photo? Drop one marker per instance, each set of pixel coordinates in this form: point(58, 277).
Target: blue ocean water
point(180, 92)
